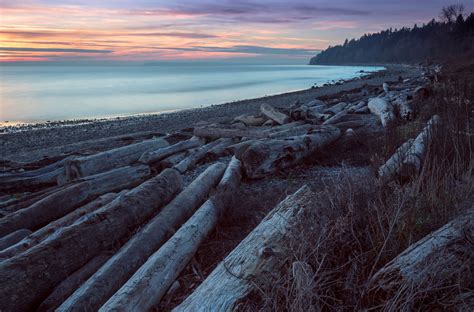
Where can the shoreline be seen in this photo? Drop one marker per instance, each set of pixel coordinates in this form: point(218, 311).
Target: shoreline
point(27, 142)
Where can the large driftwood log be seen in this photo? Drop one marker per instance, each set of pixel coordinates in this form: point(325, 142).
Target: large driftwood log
point(64, 201)
point(274, 114)
point(239, 148)
point(382, 108)
point(13, 238)
point(296, 131)
point(78, 167)
point(7, 177)
point(162, 153)
point(436, 258)
point(18, 203)
point(408, 159)
point(50, 262)
point(250, 120)
point(199, 154)
point(70, 284)
point(336, 108)
point(262, 251)
point(43, 180)
point(219, 150)
point(213, 132)
point(118, 269)
point(150, 283)
point(46, 231)
point(269, 156)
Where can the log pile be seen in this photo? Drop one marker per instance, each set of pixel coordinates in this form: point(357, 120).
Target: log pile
point(113, 229)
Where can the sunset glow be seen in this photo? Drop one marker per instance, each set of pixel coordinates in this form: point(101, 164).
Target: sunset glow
point(144, 30)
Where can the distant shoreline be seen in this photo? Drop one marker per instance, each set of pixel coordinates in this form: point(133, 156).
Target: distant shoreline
point(25, 143)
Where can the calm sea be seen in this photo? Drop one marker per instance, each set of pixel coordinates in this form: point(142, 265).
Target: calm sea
point(39, 93)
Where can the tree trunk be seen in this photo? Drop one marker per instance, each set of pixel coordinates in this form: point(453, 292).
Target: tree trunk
point(383, 109)
point(70, 284)
point(339, 107)
point(13, 238)
point(296, 131)
point(48, 230)
point(209, 132)
point(110, 277)
point(274, 114)
point(78, 167)
point(162, 153)
point(150, 283)
point(197, 155)
point(64, 201)
point(262, 251)
point(219, 151)
point(172, 160)
point(25, 201)
point(356, 107)
point(442, 256)
point(43, 180)
point(30, 276)
point(390, 169)
point(250, 120)
point(273, 155)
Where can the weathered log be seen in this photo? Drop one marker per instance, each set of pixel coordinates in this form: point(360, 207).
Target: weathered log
point(404, 108)
point(239, 148)
point(262, 251)
point(43, 180)
point(172, 160)
point(408, 159)
point(296, 131)
point(161, 153)
point(199, 154)
point(336, 108)
point(383, 109)
point(362, 110)
point(336, 118)
point(70, 284)
point(150, 283)
point(78, 167)
point(118, 269)
point(32, 173)
point(357, 107)
point(65, 200)
point(274, 114)
point(250, 120)
point(219, 150)
point(367, 123)
point(270, 156)
point(269, 123)
point(48, 230)
point(27, 200)
point(210, 132)
point(50, 262)
point(287, 126)
point(436, 258)
point(385, 88)
point(13, 238)
point(316, 102)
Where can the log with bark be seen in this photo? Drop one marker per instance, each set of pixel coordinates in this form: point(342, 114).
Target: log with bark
point(408, 159)
point(118, 269)
point(13, 238)
point(214, 132)
point(150, 283)
point(43, 180)
point(443, 256)
point(262, 251)
point(27, 200)
point(199, 154)
point(269, 156)
point(67, 199)
point(70, 284)
point(46, 231)
point(274, 114)
point(161, 153)
point(78, 167)
point(29, 277)
point(336, 108)
point(383, 109)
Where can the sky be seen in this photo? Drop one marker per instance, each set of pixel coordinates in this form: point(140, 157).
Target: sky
point(165, 30)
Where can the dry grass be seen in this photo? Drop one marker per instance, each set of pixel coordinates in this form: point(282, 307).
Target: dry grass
point(370, 222)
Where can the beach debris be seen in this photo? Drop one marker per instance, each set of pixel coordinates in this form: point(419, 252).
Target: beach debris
point(383, 109)
point(13, 238)
point(191, 160)
point(261, 252)
point(274, 114)
point(250, 120)
point(161, 153)
point(214, 132)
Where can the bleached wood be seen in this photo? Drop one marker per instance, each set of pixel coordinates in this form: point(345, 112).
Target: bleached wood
point(13, 238)
point(40, 235)
point(383, 109)
point(434, 259)
point(214, 132)
point(262, 251)
point(47, 264)
point(161, 153)
point(269, 156)
point(219, 150)
point(150, 283)
point(26, 183)
point(191, 160)
point(336, 108)
point(392, 165)
point(296, 131)
point(118, 269)
point(250, 120)
point(66, 200)
point(78, 167)
point(385, 88)
point(274, 114)
point(357, 107)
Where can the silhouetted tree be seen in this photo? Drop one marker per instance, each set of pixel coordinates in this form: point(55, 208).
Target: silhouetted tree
point(451, 12)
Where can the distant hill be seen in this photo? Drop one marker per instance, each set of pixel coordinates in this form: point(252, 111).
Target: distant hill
point(431, 42)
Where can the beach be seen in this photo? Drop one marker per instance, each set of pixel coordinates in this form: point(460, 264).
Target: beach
point(30, 142)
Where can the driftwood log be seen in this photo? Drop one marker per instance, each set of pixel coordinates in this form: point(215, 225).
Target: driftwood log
point(65, 200)
point(274, 114)
point(118, 269)
point(50, 262)
point(441, 256)
point(70, 284)
point(78, 167)
point(46, 231)
point(262, 251)
point(383, 109)
point(264, 157)
point(13, 238)
point(250, 120)
point(191, 160)
point(150, 283)
point(42, 180)
point(159, 154)
point(214, 132)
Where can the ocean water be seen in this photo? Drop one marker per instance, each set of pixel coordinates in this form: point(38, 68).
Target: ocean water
point(40, 93)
